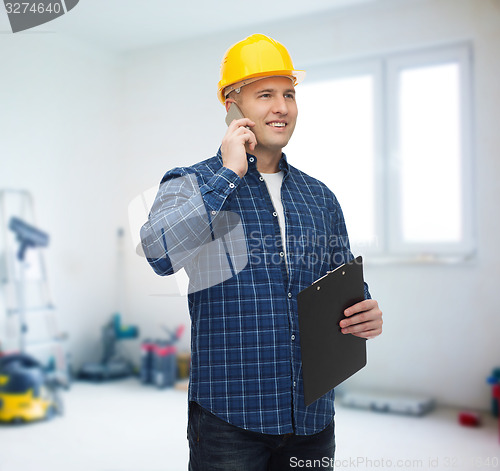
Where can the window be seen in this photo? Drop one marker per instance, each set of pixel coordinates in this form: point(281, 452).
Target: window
point(391, 138)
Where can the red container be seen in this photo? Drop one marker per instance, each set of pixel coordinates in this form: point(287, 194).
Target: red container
point(469, 419)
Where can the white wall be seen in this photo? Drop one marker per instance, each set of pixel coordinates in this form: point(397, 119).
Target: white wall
point(59, 118)
point(441, 324)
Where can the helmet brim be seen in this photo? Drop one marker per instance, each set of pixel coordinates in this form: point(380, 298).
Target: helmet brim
point(297, 75)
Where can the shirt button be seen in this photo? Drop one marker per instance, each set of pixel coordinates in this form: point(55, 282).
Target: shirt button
point(251, 159)
point(294, 384)
point(293, 337)
point(275, 214)
point(231, 185)
point(261, 179)
point(289, 295)
point(282, 254)
point(214, 213)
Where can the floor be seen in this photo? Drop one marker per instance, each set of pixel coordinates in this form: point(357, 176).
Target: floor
point(124, 426)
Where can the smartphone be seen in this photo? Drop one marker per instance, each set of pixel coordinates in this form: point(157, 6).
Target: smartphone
point(233, 113)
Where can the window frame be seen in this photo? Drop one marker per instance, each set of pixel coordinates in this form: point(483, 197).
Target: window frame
point(461, 55)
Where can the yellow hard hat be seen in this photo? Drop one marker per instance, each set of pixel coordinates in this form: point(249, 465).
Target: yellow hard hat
point(254, 57)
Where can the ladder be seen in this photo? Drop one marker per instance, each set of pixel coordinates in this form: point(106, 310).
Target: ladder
point(29, 314)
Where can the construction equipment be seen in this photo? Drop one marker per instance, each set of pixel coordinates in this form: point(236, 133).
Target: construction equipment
point(28, 392)
point(388, 402)
point(159, 359)
point(113, 364)
point(27, 236)
point(24, 289)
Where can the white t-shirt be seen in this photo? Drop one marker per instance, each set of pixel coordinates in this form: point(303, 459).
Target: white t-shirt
point(273, 183)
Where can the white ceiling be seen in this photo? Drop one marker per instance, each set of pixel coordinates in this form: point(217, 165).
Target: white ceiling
point(122, 25)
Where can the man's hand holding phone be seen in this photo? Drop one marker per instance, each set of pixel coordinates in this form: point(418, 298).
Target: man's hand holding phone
point(238, 136)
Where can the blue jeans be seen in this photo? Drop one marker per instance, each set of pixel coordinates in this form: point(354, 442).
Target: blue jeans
point(215, 445)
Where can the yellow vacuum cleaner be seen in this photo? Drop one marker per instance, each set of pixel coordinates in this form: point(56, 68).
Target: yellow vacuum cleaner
point(27, 392)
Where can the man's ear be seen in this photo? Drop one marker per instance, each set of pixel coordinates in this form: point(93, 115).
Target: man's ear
point(228, 103)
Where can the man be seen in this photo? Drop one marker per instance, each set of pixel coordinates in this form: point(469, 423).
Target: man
point(246, 409)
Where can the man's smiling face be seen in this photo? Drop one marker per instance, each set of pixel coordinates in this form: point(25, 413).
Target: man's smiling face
point(270, 104)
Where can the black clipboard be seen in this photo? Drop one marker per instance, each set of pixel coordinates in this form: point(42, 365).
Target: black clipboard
point(328, 356)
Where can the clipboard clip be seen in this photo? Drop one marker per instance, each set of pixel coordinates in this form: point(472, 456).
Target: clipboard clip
point(328, 272)
point(325, 275)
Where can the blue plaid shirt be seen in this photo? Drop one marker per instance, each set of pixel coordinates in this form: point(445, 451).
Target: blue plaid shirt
point(245, 344)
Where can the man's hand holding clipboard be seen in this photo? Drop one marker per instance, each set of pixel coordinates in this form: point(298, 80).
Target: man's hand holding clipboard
point(366, 320)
